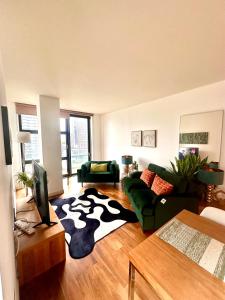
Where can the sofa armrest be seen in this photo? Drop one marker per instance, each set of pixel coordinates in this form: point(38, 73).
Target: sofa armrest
point(85, 168)
point(133, 183)
point(136, 174)
point(114, 169)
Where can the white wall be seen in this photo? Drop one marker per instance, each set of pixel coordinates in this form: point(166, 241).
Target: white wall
point(164, 116)
point(7, 257)
point(49, 112)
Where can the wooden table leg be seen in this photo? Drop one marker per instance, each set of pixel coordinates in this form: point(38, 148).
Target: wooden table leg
point(131, 281)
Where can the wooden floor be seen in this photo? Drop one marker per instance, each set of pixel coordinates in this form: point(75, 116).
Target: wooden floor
point(101, 275)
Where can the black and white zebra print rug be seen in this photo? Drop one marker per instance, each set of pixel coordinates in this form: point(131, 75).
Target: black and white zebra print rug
point(89, 218)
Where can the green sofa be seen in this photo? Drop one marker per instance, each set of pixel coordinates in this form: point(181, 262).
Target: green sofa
point(112, 175)
point(153, 211)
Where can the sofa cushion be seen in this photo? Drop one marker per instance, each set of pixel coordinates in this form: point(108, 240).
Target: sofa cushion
point(108, 162)
point(161, 187)
point(147, 176)
point(98, 168)
point(143, 200)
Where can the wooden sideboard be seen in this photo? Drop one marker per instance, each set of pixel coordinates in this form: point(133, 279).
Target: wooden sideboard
point(44, 249)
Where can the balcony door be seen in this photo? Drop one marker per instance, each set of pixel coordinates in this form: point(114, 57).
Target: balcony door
point(75, 143)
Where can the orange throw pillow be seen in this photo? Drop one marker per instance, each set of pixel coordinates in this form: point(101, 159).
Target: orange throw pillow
point(147, 176)
point(161, 187)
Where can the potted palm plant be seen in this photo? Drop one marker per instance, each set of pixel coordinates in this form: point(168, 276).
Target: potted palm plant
point(188, 167)
point(26, 180)
point(186, 170)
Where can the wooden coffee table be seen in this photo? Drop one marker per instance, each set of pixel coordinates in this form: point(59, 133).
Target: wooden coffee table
point(171, 274)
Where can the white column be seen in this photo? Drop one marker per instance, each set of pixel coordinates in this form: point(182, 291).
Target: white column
point(48, 110)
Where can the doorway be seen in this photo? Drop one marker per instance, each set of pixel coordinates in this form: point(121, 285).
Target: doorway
point(75, 143)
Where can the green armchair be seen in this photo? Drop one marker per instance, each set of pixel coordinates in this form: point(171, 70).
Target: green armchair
point(111, 175)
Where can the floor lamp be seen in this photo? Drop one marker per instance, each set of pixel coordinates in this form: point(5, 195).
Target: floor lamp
point(23, 137)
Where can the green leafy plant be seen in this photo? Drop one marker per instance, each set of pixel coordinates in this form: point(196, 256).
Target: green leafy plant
point(187, 167)
point(25, 180)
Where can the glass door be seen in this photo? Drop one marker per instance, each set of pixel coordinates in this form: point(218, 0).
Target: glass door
point(75, 143)
point(79, 141)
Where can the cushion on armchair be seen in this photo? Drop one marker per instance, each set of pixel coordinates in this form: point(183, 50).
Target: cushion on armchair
point(95, 168)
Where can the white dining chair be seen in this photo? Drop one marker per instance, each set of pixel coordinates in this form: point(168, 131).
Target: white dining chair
point(215, 214)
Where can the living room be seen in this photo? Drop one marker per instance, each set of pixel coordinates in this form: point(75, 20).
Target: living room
point(126, 67)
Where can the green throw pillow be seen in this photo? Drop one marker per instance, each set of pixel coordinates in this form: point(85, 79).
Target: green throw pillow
point(98, 168)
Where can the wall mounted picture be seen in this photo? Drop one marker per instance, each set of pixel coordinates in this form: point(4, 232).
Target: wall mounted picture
point(149, 138)
point(194, 138)
point(136, 138)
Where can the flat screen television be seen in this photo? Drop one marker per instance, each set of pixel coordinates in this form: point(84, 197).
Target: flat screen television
point(41, 194)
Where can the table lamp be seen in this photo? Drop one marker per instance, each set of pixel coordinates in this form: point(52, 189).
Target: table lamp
point(23, 137)
point(127, 160)
point(211, 177)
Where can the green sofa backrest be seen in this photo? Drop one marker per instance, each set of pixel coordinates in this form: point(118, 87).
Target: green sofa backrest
point(157, 169)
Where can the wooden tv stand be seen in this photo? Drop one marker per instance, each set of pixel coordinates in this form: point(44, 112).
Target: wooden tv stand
point(42, 250)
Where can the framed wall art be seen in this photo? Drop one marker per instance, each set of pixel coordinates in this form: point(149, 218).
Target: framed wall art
point(136, 138)
point(149, 138)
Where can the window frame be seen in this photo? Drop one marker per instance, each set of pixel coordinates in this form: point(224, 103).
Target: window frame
point(67, 157)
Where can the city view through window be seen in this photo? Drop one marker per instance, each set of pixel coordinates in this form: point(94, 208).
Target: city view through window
point(78, 142)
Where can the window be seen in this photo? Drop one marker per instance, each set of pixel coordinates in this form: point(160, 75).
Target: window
point(30, 151)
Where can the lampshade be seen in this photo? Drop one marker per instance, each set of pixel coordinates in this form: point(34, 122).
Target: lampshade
point(127, 159)
point(211, 176)
point(23, 137)
point(214, 164)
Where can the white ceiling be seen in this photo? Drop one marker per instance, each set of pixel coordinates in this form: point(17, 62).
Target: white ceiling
point(103, 55)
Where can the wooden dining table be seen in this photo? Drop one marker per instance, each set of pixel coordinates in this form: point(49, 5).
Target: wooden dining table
point(169, 273)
